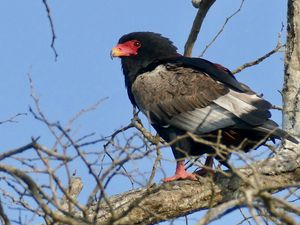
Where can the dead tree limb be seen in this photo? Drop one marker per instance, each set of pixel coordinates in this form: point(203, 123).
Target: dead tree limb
point(3, 217)
point(259, 60)
point(52, 29)
point(12, 119)
point(204, 6)
point(291, 87)
point(222, 28)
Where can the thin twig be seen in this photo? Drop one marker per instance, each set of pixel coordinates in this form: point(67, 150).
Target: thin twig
point(222, 28)
point(84, 111)
point(12, 119)
point(89, 166)
point(52, 28)
point(259, 60)
point(114, 134)
point(136, 122)
point(50, 152)
point(121, 130)
point(155, 165)
point(3, 216)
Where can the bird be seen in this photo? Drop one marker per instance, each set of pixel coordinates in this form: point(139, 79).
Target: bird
point(186, 95)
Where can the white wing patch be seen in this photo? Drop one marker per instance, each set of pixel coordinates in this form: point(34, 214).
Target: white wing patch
point(204, 120)
point(234, 104)
point(244, 106)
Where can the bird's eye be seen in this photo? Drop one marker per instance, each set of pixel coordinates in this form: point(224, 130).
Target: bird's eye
point(137, 44)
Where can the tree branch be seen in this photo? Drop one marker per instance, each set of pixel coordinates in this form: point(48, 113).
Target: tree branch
point(52, 28)
point(204, 6)
point(3, 217)
point(38, 195)
point(222, 28)
point(12, 119)
point(259, 60)
point(171, 200)
point(291, 87)
point(12, 152)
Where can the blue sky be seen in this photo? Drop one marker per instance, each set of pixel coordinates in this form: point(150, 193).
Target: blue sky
point(84, 72)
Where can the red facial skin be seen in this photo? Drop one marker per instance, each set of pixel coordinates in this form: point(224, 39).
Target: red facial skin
point(129, 48)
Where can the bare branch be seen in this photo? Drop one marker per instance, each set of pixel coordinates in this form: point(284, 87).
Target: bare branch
point(184, 197)
point(12, 119)
point(52, 28)
point(49, 152)
point(84, 111)
point(202, 11)
point(155, 165)
point(38, 196)
point(222, 28)
point(3, 217)
point(219, 210)
point(259, 60)
point(136, 122)
point(12, 152)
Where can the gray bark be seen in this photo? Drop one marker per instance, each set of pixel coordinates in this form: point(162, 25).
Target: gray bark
point(291, 88)
point(171, 200)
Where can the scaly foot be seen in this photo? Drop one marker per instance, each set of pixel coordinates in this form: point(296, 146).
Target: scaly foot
point(181, 173)
point(181, 176)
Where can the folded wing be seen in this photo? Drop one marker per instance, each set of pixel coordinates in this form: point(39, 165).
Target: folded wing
point(193, 101)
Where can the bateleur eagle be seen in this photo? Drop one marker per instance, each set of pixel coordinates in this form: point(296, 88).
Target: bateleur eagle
point(181, 94)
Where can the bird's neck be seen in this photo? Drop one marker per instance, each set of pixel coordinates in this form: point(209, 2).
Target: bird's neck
point(131, 69)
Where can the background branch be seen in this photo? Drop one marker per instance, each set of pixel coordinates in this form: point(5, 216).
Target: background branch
point(259, 60)
point(222, 28)
point(3, 217)
point(204, 6)
point(12, 119)
point(52, 29)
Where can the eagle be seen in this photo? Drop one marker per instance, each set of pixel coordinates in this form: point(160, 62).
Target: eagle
point(183, 95)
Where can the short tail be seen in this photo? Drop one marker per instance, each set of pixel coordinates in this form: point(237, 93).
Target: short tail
point(270, 127)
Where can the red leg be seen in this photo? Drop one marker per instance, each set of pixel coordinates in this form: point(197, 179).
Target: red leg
point(208, 164)
point(181, 173)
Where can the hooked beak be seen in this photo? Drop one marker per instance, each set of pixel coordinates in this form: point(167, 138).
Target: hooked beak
point(123, 50)
point(111, 55)
point(116, 52)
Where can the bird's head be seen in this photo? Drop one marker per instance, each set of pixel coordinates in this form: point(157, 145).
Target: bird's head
point(139, 49)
